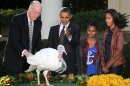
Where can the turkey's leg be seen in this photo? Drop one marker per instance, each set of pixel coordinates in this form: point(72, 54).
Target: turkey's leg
point(38, 77)
point(45, 75)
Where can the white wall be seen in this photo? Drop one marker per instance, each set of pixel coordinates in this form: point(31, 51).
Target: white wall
point(50, 15)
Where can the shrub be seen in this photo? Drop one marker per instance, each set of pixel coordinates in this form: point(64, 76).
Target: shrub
point(84, 18)
point(6, 16)
point(78, 80)
point(126, 72)
point(81, 18)
point(7, 81)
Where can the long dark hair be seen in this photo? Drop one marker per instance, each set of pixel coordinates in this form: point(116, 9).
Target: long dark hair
point(118, 19)
point(114, 14)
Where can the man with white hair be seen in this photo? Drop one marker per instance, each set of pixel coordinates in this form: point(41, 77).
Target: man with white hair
point(24, 38)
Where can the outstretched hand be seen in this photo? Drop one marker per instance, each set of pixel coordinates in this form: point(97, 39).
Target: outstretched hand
point(27, 53)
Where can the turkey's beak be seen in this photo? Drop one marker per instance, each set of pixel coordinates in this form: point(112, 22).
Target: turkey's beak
point(65, 52)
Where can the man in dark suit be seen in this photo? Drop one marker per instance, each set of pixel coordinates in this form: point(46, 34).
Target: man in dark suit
point(70, 39)
point(24, 38)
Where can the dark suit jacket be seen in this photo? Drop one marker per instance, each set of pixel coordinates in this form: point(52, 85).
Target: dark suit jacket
point(18, 41)
point(70, 46)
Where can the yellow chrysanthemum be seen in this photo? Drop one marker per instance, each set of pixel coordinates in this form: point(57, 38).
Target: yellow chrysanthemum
point(127, 82)
point(108, 80)
point(71, 77)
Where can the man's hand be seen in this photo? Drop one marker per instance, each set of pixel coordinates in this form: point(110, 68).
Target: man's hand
point(27, 53)
point(68, 32)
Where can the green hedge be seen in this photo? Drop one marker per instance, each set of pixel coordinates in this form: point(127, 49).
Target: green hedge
point(126, 72)
point(6, 16)
point(81, 18)
point(84, 18)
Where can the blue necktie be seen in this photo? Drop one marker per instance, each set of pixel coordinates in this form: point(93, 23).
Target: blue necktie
point(108, 45)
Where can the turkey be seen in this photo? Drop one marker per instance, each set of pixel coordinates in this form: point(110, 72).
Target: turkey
point(47, 59)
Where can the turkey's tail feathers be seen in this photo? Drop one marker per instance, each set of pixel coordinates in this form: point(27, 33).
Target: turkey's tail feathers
point(31, 68)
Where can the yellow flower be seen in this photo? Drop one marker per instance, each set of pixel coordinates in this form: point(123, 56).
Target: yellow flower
point(81, 82)
point(21, 75)
point(71, 77)
point(108, 80)
point(127, 82)
point(6, 81)
point(30, 76)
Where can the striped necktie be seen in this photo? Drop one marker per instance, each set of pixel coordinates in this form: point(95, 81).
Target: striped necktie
point(30, 35)
point(62, 35)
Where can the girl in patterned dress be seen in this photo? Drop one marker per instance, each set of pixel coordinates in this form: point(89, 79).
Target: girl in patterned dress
point(90, 50)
